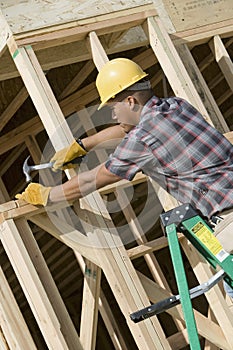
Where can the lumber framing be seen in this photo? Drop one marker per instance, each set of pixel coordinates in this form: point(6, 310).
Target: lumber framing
point(87, 229)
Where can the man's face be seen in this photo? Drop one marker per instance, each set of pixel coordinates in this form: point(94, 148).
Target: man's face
point(124, 112)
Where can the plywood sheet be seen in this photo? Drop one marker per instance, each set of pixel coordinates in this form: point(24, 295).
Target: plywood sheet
point(28, 15)
point(189, 14)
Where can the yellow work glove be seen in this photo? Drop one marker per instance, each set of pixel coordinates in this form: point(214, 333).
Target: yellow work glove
point(66, 155)
point(35, 194)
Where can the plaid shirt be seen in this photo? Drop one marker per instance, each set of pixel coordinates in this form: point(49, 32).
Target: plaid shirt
point(176, 147)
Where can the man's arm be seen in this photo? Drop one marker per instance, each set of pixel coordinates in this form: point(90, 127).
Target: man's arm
point(82, 184)
point(110, 136)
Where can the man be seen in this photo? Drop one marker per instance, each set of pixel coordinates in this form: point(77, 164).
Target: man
point(167, 139)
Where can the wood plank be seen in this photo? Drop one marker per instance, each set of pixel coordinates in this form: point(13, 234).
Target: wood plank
point(90, 302)
point(186, 14)
point(65, 322)
point(88, 125)
point(5, 33)
point(41, 95)
point(91, 291)
point(122, 277)
point(98, 53)
point(32, 286)
point(223, 59)
point(73, 238)
point(80, 29)
point(15, 104)
point(149, 247)
point(57, 12)
point(172, 66)
point(3, 342)
point(77, 80)
point(70, 53)
point(12, 322)
point(202, 88)
point(203, 34)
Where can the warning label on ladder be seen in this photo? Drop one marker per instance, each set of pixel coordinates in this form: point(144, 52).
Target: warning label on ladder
point(210, 241)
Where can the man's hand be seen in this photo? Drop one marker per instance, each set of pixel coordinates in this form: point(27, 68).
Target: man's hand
point(35, 194)
point(66, 155)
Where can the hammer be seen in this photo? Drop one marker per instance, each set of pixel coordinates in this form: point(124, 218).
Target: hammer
point(27, 169)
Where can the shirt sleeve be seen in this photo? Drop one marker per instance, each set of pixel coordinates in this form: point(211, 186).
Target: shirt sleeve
point(130, 157)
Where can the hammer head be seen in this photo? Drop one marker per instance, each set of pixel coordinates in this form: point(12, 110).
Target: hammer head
point(27, 170)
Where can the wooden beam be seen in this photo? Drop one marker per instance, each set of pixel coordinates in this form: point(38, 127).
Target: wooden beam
point(65, 322)
point(121, 276)
point(172, 65)
point(72, 237)
point(223, 59)
point(90, 302)
point(12, 322)
point(41, 95)
point(65, 54)
point(3, 342)
point(50, 224)
point(15, 104)
point(203, 34)
point(5, 33)
point(149, 247)
point(202, 88)
point(77, 80)
point(98, 54)
point(32, 287)
point(79, 30)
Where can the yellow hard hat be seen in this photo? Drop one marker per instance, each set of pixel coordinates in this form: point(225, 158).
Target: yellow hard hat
point(115, 76)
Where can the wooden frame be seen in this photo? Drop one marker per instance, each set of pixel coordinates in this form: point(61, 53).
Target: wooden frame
point(131, 289)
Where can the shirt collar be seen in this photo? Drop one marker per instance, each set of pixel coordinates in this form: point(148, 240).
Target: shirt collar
point(153, 101)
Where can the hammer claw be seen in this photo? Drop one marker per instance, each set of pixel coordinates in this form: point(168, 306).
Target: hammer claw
point(27, 169)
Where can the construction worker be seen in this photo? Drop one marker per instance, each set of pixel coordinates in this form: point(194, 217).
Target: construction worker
point(166, 138)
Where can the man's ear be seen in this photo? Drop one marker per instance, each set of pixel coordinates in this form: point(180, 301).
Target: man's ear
point(133, 103)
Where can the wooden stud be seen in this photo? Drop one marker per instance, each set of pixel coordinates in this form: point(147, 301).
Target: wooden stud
point(77, 80)
point(5, 33)
point(32, 286)
point(122, 277)
point(173, 66)
point(98, 53)
point(3, 342)
point(72, 237)
point(223, 59)
point(202, 88)
point(79, 30)
point(13, 107)
point(65, 322)
point(41, 95)
point(203, 34)
point(89, 315)
point(12, 322)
